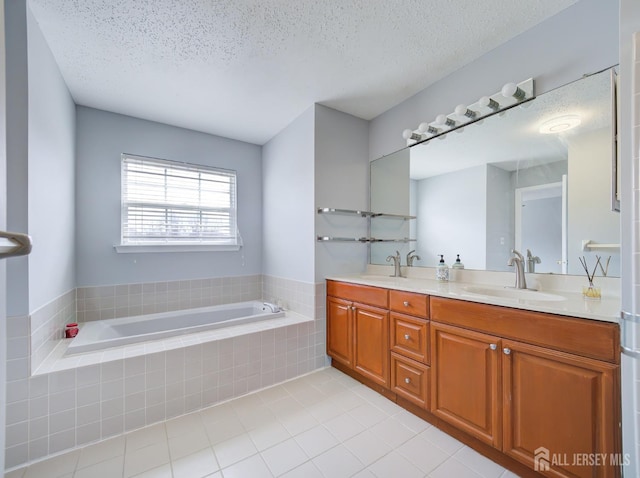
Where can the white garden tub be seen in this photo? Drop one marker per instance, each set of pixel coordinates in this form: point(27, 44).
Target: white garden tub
point(103, 334)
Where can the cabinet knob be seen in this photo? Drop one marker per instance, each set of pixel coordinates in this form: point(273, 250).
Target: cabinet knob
point(352, 307)
point(506, 351)
point(407, 380)
point(406, 303)
point(493, 346)
point(407, 336)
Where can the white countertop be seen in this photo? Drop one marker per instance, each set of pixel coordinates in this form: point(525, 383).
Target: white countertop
point(567, 303)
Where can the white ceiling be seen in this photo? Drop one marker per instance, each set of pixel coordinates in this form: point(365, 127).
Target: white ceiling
point(245, 69)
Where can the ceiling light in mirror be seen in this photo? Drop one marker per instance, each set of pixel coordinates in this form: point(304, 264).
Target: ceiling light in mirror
point(560, 124)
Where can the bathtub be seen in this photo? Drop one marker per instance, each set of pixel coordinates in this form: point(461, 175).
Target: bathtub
point(103, 334)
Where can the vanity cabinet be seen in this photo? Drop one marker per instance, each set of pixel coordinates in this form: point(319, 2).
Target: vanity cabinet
point(515, 385)
point(536, 391)
point(358, 329)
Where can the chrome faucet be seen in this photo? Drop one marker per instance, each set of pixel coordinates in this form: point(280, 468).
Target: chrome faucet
point(396, 264)
point(270, 305)
point(412, 257)
point(518, 261)
point(532, 261)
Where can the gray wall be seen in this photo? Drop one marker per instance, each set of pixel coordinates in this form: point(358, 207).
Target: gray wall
point(581, 39)
point(288, 201)
point(3, 225)
point(341, 181)
point(449, 207)
point(542, 232)
point(51, 175)
point(589, 211)
point(500, 218)
point(101, 138)
point(40, 169)
point(17, 150)
point(630, 243)
point(392, 186)
point(319, 160)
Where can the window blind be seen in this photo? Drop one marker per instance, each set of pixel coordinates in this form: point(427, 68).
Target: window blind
point(173, 203)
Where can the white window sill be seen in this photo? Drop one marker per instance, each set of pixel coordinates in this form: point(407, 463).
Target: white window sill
point(135, 248)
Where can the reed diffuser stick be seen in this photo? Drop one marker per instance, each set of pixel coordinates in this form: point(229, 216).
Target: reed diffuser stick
point(605, 270)
point(590, 277)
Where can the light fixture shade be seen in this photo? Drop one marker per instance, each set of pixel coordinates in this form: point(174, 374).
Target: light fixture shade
point(559, 124)
point(462, 110)
point(408, 134)
point(512, 90)
point(443, 120)
point(422, 127)
point(487, 102)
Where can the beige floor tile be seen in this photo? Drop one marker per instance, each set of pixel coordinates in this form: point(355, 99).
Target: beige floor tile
point(234, 450)
point(188, 443)
point(101, 451)
point(322, 425)
point(284, 457)
point(144, 459)
point(54, 467)
point(105, 469)
point(253, 467)
point(197, 465)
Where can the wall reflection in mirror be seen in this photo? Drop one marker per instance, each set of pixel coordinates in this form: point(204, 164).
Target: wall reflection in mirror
point(537, 178)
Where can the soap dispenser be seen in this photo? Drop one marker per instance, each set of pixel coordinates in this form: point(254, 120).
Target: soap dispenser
point(457, 264)
point(442, 270)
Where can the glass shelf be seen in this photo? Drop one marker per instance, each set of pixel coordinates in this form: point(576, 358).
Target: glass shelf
point(361, 239)
point(352, 212)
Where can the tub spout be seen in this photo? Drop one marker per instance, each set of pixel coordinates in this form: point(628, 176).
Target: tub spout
point(271, 306)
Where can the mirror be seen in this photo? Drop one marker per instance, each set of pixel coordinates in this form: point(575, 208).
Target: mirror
point(536, 177)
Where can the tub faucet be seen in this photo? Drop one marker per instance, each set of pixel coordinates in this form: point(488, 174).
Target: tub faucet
point(273, 307)
point(396, 264)
point(412, 257)
point(518, 261)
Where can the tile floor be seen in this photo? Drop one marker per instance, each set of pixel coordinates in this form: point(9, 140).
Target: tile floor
point(321, 425)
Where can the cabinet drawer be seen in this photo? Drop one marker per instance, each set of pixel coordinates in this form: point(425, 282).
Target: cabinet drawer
point(588, 338)
point(359, 293)
point(409, 303)
point(410, 337)
point(410, 380)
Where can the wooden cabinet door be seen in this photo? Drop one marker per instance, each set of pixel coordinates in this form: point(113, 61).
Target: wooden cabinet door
point(371, 343)
point(340, 331)
point(465, 381)
point(562, 402)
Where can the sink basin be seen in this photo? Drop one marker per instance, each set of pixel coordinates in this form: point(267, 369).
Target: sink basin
point(381, 278)
point(509, 293)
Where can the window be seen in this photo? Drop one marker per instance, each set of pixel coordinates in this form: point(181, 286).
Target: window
point(168, 205)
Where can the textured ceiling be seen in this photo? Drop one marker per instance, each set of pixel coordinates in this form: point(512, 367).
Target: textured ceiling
point(245, 69)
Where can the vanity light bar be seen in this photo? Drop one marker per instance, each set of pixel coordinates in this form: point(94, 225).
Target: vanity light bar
point(511, 94)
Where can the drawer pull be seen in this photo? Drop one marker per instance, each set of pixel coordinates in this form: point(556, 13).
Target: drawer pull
point(407, 336)
point(493, 346)
point(406, 303)
point(506, 351)
point(407, 380)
